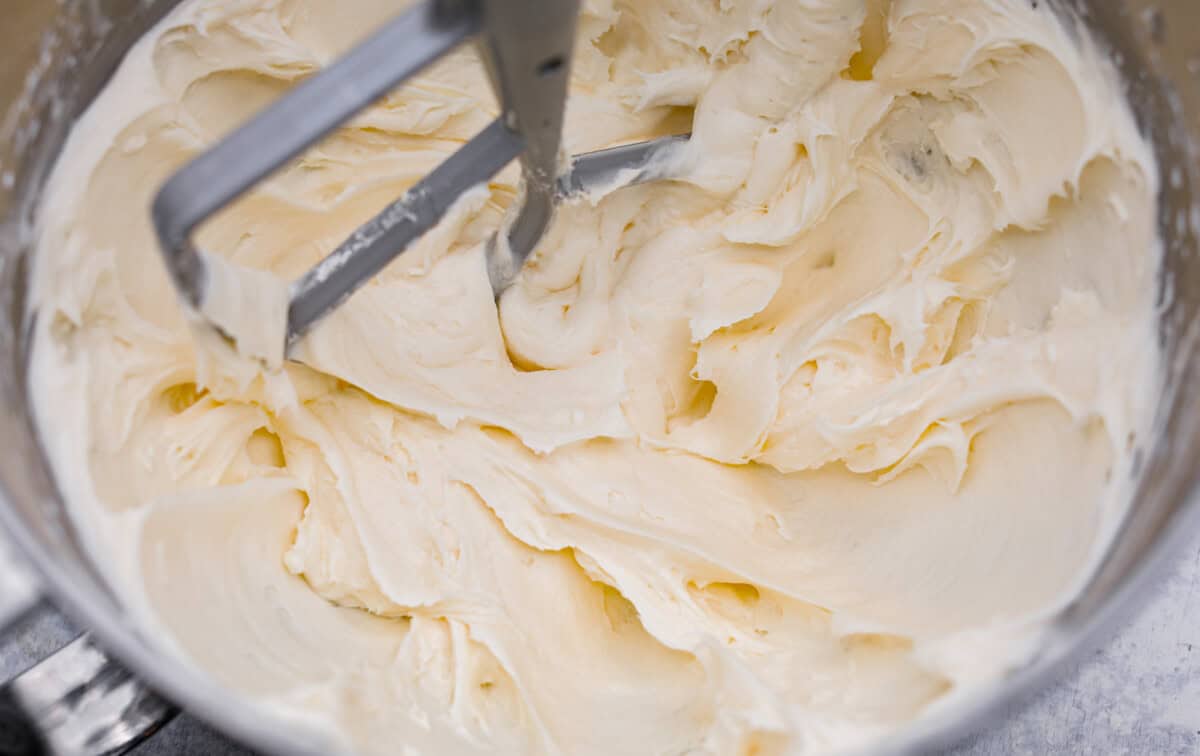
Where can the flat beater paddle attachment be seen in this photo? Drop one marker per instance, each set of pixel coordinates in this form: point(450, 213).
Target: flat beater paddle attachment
point(527, 47)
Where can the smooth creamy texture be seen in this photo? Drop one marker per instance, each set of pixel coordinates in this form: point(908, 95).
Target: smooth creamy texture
point(775, 457)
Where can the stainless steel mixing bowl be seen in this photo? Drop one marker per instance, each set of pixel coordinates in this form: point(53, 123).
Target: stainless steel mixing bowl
point(54, 57)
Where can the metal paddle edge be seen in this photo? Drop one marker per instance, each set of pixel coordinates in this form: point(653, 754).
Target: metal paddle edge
point(385, 237)
point(297, 121)
point(318, 105)
point(393, 230)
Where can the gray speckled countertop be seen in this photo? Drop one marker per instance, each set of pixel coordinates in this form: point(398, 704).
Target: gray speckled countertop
point(1138, 694)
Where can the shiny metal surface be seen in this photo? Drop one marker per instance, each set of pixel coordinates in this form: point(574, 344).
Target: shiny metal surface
point(527, 47)
point(414, 40)
point(386, 236)
point(1157, 47)
point(78, 702)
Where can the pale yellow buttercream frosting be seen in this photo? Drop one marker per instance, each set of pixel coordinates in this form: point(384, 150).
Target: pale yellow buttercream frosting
point(779, 455)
